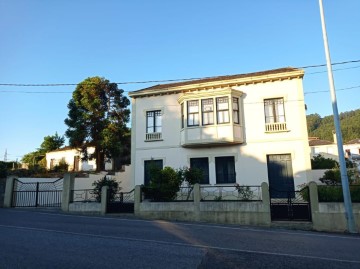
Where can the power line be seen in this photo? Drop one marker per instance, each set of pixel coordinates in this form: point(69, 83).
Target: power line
point(157, 81)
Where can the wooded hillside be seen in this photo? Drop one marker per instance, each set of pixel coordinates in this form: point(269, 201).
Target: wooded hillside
point(323, 127)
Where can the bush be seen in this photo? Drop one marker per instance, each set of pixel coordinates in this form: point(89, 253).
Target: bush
point(164, 184)
point(320, 162)
point(3, 170)
point(335, 193)
point(63, 166)
point(106, 181)
point(333, 176)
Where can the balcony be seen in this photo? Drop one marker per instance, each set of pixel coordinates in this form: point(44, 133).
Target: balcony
point(224, 134)
point(275, 127)
point(149, 137)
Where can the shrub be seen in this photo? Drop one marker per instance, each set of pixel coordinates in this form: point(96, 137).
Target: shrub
point(244, 192)
point(164, 184)
point(320, 162)
point(335, 193)
point(3, 170)
point(106, 181)
point(63, 166)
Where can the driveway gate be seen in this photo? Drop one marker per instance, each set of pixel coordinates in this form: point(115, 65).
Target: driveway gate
point(120, 202)
point(290, 205)
point(37, 194)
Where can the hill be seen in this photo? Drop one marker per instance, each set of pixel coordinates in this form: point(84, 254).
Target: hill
point(323, 127)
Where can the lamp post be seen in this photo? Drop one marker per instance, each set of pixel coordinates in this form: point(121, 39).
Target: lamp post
point(344, 178)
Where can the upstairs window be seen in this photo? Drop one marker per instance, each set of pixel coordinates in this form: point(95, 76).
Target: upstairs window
point(153, 121)
point(207, 108)
point(222, 108)
point(193, 113)
point(274, 110)
point(236, 110)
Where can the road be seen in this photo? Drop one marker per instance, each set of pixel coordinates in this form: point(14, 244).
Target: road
point(46, 239)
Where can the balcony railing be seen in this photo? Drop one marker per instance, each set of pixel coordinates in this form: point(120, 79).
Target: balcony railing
point(275, 127)
point(153, 137)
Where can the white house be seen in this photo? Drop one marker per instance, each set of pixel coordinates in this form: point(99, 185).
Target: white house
point(72, 157)
point(244, 129)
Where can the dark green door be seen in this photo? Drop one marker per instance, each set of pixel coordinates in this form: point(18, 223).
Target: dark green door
point(280, 174)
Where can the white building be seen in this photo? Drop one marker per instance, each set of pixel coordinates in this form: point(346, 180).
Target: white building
point(244, 129)
point(72, 157)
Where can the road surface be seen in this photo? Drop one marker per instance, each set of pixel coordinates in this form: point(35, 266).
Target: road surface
point(48, 239)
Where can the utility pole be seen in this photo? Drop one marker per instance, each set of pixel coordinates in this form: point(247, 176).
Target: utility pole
point(344, 178)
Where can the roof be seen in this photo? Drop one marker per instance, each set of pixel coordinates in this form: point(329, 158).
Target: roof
point(241, 79)
point(354, 141)
point(319, 142)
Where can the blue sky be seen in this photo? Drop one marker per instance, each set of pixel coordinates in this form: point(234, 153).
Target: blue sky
point(67, 41)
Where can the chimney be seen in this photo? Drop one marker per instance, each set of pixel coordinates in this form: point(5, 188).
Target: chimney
point(334, 136)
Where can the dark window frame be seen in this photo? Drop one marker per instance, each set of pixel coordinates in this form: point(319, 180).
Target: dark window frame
point(225, 170)
point(156, 126)
point(224, 112)
point(201, 163)
point(204, 113)
point(273, 105)
point(192, 116)
point(236, 114)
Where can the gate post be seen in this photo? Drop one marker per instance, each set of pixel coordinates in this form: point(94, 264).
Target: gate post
point(68, 185)
point(9, 188)
point(104, 199)
point(265, 194)
point(314, 200)
point(137, 199)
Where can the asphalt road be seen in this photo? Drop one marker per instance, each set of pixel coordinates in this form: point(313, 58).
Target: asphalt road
point(40, 239)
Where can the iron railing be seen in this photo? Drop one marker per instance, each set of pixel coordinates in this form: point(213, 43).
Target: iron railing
point(185, 194)
point(123, 197)
point(230, 193)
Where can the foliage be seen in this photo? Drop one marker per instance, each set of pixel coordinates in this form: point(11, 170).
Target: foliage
point(335, 193)
point(218, 198)
point(333, 176)
point(164, 184)
point(51, 142)
point(97, 116)
point(190, 176)
point(33, 158)
point(320, 162)
point(323, 127)
point(244, 192)
point(106, 181)
point(63, 166)
point(3, 170)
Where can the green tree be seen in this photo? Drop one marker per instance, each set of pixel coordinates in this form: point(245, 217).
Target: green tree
point(106, 181)
point(98, 114)
point(51, 142)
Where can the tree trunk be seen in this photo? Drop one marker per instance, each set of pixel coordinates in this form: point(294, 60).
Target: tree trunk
point(100, 162)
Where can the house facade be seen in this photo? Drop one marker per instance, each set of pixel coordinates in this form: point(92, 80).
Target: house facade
point(72, 157)
point(243, 129)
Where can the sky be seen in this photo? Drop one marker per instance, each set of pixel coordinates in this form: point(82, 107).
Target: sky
point(66, 41)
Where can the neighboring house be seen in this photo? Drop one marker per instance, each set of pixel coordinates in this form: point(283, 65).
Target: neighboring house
point(328, 149)
point(72, 157)
point(245, 129)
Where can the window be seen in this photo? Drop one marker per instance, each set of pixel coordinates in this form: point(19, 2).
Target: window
point(182, 115)
point(222, 108)
point(153, 121)
point(207, 108)
point(274, 110)
point(225, 170)
point(150, 166)
point(236, 110)
point(193, 113)
point(202, 164)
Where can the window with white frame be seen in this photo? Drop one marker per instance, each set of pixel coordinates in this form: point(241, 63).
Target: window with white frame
point(193, 113)
point(222, 110)
point(207, 109)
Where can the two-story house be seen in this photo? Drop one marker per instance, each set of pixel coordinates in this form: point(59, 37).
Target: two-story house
point(245, 129)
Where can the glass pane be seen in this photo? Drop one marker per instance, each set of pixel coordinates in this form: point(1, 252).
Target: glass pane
point(222, 103)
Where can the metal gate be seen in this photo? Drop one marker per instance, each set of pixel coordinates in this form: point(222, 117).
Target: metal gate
point(37, 194)
point(120, 202)
point(290, 205)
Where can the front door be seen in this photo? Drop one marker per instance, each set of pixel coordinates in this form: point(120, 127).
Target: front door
point(280, 175)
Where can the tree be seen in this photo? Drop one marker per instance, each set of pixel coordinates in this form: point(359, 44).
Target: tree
point(51, 142)
point(97, 117)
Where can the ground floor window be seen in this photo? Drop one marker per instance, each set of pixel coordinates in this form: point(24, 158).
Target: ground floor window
point(202, 164)
point(148, 167)
point(225, 169)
